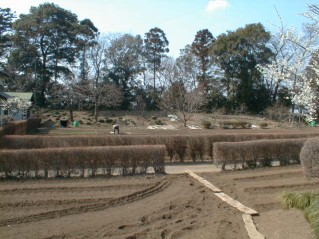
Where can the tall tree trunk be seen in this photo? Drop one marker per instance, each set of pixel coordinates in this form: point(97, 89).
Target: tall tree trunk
point(95, 110)
point(71, 111)
point(274, 96)
point(154, 78)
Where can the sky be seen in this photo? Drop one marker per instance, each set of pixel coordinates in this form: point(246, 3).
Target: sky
point(179, 19)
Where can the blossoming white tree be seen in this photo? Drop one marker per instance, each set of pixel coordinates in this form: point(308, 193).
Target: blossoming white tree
point(309, 94)
point(14, 105)
point(295, 64)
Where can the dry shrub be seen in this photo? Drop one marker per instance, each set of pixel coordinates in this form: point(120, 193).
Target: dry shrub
point(169, 148)
point(158, 158)
point(33, 124)
point(65, 161)
point(18, 164)
point(257, 153)
point(21, 127)
point(309, 156)
point(196, 148)
point(209, 147)
point(211, 139)
point(224, 154)
point(17, 127)
point(180, 146)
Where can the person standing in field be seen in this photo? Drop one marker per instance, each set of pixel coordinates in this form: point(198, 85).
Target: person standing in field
point(116, 127)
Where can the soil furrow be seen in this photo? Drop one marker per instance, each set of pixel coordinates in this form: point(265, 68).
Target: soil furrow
point(274, 188)
point(53, 202)
point(90, 207)
point(69, 189)
point(270, 177)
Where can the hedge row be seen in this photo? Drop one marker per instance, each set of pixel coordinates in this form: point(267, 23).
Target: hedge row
point(251, 154)
point(21, 127)
point(178, 147)
point(309, 157)
point(27, 163)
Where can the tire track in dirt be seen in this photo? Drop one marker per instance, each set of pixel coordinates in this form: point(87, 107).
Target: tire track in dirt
point(53, 202)
point(170, 221)
point(70, 189)
point(155, 188)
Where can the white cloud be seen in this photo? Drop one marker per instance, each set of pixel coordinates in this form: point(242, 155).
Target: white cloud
point(214, 5)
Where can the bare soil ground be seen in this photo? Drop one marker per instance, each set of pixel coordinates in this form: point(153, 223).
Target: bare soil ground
point(260, 189)
point(168, 206)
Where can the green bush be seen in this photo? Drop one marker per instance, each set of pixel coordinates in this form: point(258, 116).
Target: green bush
point(309, 157)
point(298, 200)
point(206, 124)
point(312, 215)
point(307, 202)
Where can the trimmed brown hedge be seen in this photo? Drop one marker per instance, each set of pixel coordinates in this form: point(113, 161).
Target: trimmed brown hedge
point(178, 147)
point(309, 157)
point(33, 124)
point(65, 161)
point(20, 127)
point(250, 154)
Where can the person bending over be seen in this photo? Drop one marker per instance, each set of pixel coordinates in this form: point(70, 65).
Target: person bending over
point(116, 128)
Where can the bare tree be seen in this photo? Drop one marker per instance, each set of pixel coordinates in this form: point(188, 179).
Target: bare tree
point(108, 95)
point(184, 104)
point(95, 89)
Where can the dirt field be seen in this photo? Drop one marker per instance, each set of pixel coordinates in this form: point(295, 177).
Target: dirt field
point(169, 206)
point(260, 189)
